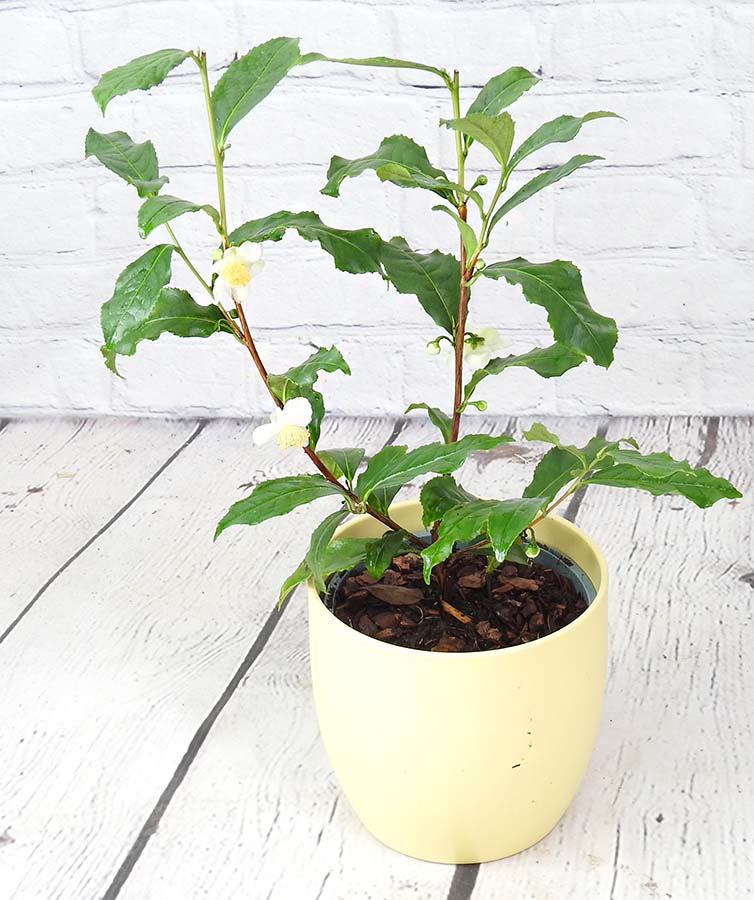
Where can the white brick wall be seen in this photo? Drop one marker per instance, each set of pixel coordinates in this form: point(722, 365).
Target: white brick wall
point(663, 230)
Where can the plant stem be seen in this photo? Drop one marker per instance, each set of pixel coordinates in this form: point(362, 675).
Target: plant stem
point(217, 151)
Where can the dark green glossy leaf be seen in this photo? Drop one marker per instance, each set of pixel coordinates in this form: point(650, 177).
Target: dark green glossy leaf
point(440, 495)
point(507, 520)
point(549, 362)
point(557, 468)
point(134, 163)
point(538, 183)
point(382, 551)
point(468, 235)
point(276, 498)
point(343, 461)
point(140, 74)
point(502, 90)
point(137, 291)
point(157, 211)
point(558, 288)
point(356, 251)
point(391, 468)
point(321, 537)
point(434, 278)
point(248, 80)
point(557, 131)
point(398, 159)
point(495, 132)
point(437, 417)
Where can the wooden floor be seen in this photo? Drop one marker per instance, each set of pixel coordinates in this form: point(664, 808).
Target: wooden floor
point(157, 735)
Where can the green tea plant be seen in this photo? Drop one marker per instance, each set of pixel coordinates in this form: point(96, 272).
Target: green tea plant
point(143, 307)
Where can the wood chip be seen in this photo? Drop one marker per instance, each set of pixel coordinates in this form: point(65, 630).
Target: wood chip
point(456, 613)
point(395, 595)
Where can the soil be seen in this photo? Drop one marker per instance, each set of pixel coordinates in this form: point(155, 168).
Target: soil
point(474, 610)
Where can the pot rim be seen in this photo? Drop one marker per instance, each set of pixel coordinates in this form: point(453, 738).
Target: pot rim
point(599, 599)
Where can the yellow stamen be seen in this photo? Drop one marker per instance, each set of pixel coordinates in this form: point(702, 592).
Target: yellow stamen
point(293, 436)
point(236, 274)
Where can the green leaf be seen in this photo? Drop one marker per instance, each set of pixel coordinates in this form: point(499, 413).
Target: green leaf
point(343, 461)
point(557, 131)
point(140, 74)
point(434, 278)
point(175, 312)
point(321, 537)
point(468, 236)
point(437, 417)
point(374, 61)
point(539, 432)
point(137, 291)
point(549, 362)
point(507, 520)
point(134, 163)
point(659, 473)
point(558, 288)
point(356, 251)
point(391, 467)
point(502, 90)
point(398, 159)
point(276, 498)
point(495, 132)
point(382, 551)
point(292, 582)
point(157, 211)
point(440, 495)
point(338, 556)
point(538, 183)
point(248, 80)
point(557, 468)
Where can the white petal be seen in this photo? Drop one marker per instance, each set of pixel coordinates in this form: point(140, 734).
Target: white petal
point(250, 252)
point(264, 433)
point(256, 267)
point(276, 417)
point(297, 411)
point(221, 291)
point(217, 267)
point(240, 293)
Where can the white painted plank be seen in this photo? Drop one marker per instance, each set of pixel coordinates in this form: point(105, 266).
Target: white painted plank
point(666, 807)
point(61, 480)
point(260, 814)
point(106, 682)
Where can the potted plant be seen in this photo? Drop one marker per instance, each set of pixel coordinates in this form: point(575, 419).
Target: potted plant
point(458, 643)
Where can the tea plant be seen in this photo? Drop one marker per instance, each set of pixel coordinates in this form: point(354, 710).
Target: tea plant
point(144, 306)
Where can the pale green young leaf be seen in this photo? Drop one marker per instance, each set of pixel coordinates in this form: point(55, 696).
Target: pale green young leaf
point(134, 163)
point(434, 278)
point(356, 251)
point(539, 432)
point(248, 80)
point(468, 235)
point(137, 290)
point(539, 183)
point(440, 495)
point(321, 537)
point(386, 62)
point(382, 551)
point(437, 417)
point(495, 132)
point(140, 74)
point(557, 287)
point(299, 575)
point(398, 159)
point(557, 131)
point(155, 211)
point(276, 498)
point(502, 90)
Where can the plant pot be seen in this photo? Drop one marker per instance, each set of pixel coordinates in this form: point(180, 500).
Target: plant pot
point(461, 757)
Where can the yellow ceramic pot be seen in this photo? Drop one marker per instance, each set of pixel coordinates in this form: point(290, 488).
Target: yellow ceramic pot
point(461, 757)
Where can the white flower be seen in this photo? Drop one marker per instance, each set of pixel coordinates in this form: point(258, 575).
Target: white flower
point(478, 351)
point(235, 270)
point(288, 425)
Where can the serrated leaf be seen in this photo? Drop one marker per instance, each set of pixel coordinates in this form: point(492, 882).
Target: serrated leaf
point(248, 80)
point(434, 278)
point(276, 498)
point(156, 211)
point(356, 251)
point(557, 287)
point(321, 537)
point(539, 183)
point(437, 417)
point(495, 132)
point(373, 61)
point(140, 74)
point(391, 468)
point(137, 290)
point(398, 159)
point(343, 461)
point(440, 495)
point(502, 90)
point(549, 362)
point(134, 163)
point(468, 236)
point(557, 131)
point(382, 551)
